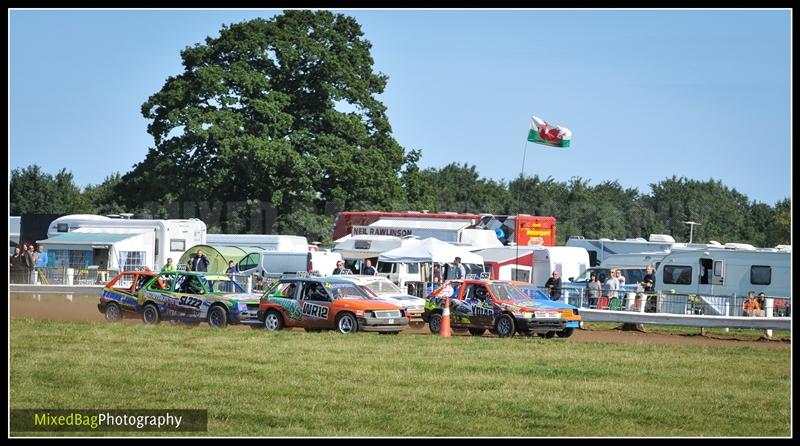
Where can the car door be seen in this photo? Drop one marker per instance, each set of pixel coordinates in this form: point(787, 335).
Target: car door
point(187, 296)
point(315, 304)
point(482, 308)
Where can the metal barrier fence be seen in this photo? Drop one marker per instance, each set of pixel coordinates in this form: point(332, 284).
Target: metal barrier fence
point(61, 276)
point(668, 303)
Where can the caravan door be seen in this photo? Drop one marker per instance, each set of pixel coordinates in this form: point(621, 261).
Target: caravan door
point(712, 275)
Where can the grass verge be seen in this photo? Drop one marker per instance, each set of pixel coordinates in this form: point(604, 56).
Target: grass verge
point(255, 383)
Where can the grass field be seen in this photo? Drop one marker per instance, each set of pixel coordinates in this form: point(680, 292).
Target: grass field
point(326, 384)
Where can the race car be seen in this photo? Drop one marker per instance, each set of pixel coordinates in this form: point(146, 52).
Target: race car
point(194, 297)
point(499, 306)
point(327, 303)
point(385, 290)
point(119, 296)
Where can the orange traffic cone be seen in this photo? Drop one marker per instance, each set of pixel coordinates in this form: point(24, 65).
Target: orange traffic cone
point(444, 330)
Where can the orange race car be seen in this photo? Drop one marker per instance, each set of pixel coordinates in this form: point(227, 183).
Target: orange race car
point(327, 303)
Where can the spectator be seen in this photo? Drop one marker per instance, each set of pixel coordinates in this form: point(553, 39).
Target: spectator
point(169, 266)
point(762, 304)
point(593, 290)
point(17, 265)
point(612, 284)
point(28, 262)
point(750, 305)
point(339, 268)
point(231, 268)
point(620, 278)
point(649, 280)
point(369, 270)
point(437, 274)
point(458, 271)
point(553, 284)
point(41, 257)
point(200, 262)
point(190, 262)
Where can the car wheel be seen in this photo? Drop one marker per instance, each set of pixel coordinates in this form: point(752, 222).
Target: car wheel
point(435, 323)
point(346, 323)
point(150, 315)
point(565, 333)
point(548, 335)
point(113, 313)
point(217, 317)
point(273, 321)
point(476, 331)
point(505, 326)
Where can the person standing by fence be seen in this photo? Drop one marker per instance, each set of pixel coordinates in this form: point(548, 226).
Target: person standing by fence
point(553, 284)
point(750, 305)
point(762, 303)
point(17, 266)
point(593, 290)
point(28, 262)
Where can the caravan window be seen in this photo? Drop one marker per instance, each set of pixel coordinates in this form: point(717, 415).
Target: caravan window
point(385, 268)
point(678, 275)
point(412, 268)
point(62, 227)
point(760, 275)
point(177, 245)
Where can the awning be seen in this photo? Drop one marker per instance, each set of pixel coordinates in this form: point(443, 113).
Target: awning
point(94, 239)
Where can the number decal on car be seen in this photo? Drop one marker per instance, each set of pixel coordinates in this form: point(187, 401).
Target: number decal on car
point(190, 301)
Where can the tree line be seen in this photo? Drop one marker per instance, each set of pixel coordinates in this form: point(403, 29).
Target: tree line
point(275, 125)
point(593, 211)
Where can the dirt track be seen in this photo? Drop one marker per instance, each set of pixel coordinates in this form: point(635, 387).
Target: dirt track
point(84, 308)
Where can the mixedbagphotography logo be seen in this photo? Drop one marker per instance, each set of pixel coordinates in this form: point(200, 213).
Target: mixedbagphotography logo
point(99, 420)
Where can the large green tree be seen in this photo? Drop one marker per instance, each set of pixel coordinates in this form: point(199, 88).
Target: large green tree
point(283, 111)
point(33, 191)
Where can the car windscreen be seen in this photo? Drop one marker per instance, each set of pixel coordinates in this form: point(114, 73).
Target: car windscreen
point(224, 286)
point(346, 291)
point(533, 292)
point(508, 292)
point(384, 287)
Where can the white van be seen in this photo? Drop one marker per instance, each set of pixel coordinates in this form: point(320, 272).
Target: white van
point(277, 262)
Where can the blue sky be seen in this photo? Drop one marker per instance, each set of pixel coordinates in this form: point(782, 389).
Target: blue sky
point(647, 94)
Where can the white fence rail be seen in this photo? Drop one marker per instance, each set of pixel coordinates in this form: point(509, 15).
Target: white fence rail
point(693, 320)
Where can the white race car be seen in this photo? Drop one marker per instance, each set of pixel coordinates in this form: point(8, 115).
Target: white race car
point(385, 290)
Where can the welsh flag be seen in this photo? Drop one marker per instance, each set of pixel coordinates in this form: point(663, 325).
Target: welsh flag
point(549, 135)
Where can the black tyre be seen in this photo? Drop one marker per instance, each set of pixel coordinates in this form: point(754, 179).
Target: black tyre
point(150, 315)
point(476, 331)
point(113, 312)
point(217, 317)
point(548, 335)
point(273, 321)
point(346, 323)
point(435, 323)
point(505, 326)
point(565, 333)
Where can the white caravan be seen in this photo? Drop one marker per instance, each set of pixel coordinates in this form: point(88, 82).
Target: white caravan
point(636, 260)
point(267, 242)
point(569, 261)
point(600, 249)
point(161, 239)
point(726, 272)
